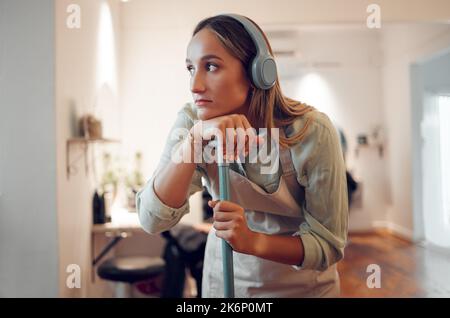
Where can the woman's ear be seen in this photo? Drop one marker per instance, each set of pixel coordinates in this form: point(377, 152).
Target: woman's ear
point(251, 90)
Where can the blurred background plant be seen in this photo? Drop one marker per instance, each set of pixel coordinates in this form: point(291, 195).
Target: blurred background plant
point(109, 182)
point(121, 179)
point(111, 174)
point(134, 180)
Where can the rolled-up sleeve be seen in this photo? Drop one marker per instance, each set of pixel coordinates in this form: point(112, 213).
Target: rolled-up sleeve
point(154, 215)
point(321, 171)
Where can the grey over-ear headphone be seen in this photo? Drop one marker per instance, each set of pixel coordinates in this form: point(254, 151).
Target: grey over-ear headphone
point(263, 69)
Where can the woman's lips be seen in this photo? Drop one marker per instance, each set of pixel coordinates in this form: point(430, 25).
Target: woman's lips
point(202, 102)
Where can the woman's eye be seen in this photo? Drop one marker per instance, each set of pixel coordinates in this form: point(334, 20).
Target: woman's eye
point(190, 69)
point(211, 67)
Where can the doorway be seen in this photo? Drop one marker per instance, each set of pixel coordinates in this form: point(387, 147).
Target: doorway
point(435, 129)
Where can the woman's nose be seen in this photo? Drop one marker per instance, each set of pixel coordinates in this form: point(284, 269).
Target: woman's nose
point(197, 83)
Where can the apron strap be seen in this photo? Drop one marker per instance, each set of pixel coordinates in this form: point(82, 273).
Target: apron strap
point(290, 174)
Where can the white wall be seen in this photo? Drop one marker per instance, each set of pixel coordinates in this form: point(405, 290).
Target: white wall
point(155, 83)
point(85, 59)
point(402, 46)
point(175, 13)
point(79, 80)
point(28, 222)
point(338, 71)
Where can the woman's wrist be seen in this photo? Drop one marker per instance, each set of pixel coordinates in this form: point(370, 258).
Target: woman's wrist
point(194, 146)
point(278, 248)
point(259, 244)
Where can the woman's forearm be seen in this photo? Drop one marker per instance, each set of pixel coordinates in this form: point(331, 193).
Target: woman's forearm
point(282, 249)
point(172, 181)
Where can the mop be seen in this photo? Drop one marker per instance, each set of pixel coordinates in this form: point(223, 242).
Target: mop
point(227, 251)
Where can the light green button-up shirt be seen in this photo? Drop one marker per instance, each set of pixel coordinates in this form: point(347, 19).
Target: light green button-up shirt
point(320, 168)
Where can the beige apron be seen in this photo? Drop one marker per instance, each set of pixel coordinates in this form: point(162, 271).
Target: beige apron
point(279, 213)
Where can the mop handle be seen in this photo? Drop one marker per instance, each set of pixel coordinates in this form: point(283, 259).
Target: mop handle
point(227, 252)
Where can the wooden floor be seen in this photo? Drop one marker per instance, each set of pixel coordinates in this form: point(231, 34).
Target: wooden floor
point(407, 270)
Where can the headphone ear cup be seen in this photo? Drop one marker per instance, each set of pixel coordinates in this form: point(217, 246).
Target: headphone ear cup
point(254, 73)
point(269, 71)
point(264, 72)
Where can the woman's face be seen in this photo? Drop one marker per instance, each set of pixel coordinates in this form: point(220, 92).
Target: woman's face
point(219, 84)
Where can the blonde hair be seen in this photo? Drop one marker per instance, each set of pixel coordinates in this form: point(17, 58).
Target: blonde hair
point(269, 108)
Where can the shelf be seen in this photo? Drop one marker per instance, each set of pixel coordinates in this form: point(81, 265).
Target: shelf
point(84, 142)
point(88, 141)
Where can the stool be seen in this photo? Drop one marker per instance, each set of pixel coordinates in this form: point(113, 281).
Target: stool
point(129, 270)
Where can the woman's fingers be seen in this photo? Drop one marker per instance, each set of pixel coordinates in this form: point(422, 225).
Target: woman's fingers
point(249, 134)
point(226, 211)
point(212, 203)
point(227, 235)
point(244, 132)
point(249, 138)
point(224, 216)
point(222, 226)
point(235, 134)
point(241, 143)
point(230, 142)
point(226, 206)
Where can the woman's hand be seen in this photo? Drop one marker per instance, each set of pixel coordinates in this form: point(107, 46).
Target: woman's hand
point(235, 130)
point(231, 225)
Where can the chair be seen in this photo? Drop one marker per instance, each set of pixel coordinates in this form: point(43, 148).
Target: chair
point(129, 270)
point(185, 248)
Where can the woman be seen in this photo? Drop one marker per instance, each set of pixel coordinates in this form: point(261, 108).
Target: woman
point(288, 228)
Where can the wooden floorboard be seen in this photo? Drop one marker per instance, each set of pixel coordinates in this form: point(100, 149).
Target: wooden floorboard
point(407, 269)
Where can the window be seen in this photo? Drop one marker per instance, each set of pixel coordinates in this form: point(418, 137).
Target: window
point(444, 124)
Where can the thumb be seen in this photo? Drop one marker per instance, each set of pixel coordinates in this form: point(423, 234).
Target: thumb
point(212, 203)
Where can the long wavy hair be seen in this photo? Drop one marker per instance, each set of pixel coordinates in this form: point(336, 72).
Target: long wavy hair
point(269, 108)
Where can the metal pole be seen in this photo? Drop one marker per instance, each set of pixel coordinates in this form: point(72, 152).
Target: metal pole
point(227, 252)
point(224, 194)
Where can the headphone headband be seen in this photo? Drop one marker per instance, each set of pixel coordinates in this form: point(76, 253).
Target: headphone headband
point(263, 69)
point(254, 33)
